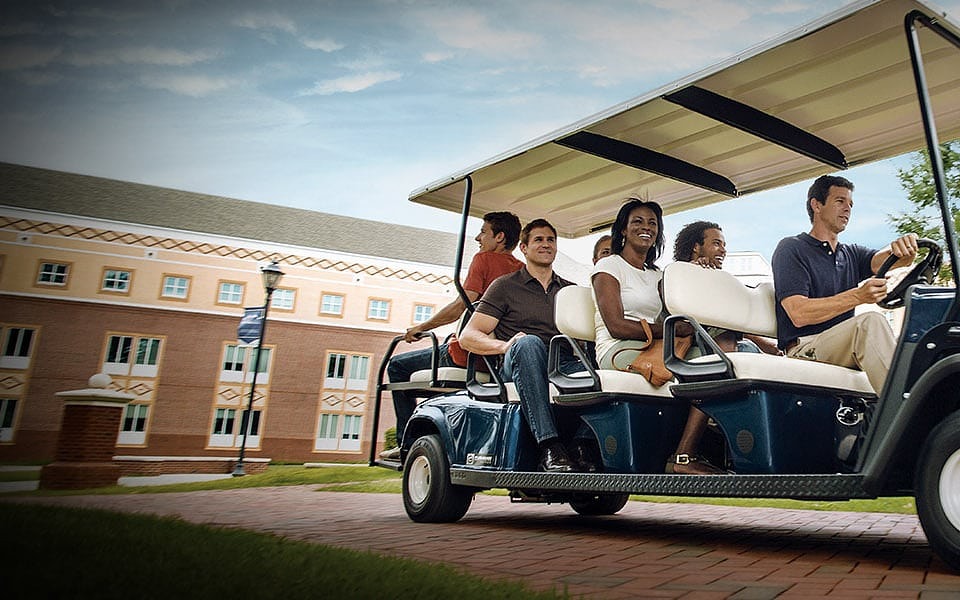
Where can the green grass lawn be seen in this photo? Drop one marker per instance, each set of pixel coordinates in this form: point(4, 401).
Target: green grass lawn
point(57, 552)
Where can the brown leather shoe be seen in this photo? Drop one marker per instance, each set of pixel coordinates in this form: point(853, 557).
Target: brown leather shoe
point(691, 464)
point(553, 458)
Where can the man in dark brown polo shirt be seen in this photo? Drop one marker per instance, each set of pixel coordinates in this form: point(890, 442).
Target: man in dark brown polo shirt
point(519, 310)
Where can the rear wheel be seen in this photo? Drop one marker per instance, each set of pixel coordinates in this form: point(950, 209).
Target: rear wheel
point(599, 504)
point(937, 489)
point(428, 495)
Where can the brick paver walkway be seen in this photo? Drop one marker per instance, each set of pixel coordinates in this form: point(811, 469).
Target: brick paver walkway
point(646, 551)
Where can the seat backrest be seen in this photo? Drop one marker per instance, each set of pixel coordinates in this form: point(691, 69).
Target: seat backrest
point(574, 312)
point(717, 298)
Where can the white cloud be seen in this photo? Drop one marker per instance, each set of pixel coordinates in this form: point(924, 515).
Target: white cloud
point(141, 55)
point(351, 83)
point(325, 44)
point(259, 21)
point(367, 63)
point(195, 86)
point(435, 57)
point(470, 30)
point(13, 58)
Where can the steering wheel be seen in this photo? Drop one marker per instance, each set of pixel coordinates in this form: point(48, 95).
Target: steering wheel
point(924, 271)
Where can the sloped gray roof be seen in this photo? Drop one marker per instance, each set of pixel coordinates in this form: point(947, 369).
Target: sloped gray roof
point(127, 202)
point(97, 197)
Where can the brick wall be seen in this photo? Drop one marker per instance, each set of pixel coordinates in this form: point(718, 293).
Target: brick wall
point(69, 350)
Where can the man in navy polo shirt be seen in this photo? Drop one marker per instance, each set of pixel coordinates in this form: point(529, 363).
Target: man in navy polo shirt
point(820, 281)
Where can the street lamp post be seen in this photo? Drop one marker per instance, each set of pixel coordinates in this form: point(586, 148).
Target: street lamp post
point(271, 275)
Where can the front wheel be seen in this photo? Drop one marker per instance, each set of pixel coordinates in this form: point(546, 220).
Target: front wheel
point(428, 495)
point(599, 504)
point(937, 489)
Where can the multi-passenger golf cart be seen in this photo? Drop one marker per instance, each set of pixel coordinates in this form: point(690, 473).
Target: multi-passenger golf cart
point(871, 81)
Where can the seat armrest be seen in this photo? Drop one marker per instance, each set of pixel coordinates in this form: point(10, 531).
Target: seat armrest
point(495, 391)
point(564, 383)
point(688, 371)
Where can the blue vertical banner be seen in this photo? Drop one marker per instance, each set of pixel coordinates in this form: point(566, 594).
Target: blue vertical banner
point(251, 324)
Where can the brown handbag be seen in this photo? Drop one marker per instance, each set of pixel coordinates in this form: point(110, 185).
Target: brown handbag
point(649, 362)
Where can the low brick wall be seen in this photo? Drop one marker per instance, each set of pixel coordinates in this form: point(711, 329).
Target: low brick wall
point(133, 466)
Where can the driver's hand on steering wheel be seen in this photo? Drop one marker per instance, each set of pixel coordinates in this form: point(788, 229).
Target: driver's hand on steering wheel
point(872, 290)
point(905, 247)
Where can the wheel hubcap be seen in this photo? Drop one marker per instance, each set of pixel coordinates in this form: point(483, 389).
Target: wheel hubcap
point(950, 489)
point(418, 482)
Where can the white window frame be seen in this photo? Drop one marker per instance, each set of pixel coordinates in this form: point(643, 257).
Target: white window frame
point(176, 287)
point(359, 373)
point(328, 427)
point(116, 360)
point(351, 432)
point(422, 313)
point(283, 299)
point(233, 295)
point(337, 379)
point(116, 277)
point(8, 413)
point(134, 435)
point(377, 307)
point(20, 357)
point(327, 303)
point(58, 275)
point(224, 435)
point(236, 364)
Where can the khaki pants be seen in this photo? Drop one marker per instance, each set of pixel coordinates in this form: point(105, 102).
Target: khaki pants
point(864, 342)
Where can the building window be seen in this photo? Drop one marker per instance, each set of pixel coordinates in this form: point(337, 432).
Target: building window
point(175, 287)
point(359, 368)
point(17, 346)
point(222, 433)
point(223, 421)
point(254, 428)
point(53, 274)
point(133, 430)
point(118, 350)
point(230, 292)
point(8, 408)
point(283, 298)
point(336, 365)
point(145, 359)
point(348, 371)
point(327, 432)
point(344, 395)
point(378, 309)
point(331, 304)
point(238, 364)
point(116, 280)
point(422, 313)
point(350, 437)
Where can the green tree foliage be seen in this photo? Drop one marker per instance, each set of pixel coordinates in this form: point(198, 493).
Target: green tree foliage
point(917, 181)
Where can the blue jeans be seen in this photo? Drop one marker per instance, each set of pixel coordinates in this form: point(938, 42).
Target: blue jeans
point(525, 364)
point(400, 368)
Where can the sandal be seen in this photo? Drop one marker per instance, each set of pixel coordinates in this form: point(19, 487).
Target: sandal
point(691, 464)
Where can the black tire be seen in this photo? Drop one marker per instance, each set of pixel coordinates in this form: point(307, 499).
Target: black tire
point(599, 504)
point(428, 495)
point(937, 489)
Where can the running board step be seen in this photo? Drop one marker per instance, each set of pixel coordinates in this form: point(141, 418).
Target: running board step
point(805, 487)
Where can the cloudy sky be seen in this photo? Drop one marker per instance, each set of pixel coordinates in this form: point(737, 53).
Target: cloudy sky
point(347, 106)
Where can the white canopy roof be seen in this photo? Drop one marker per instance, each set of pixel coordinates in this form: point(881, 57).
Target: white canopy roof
point(833, 94)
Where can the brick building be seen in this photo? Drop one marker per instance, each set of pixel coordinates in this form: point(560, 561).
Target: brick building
point(148, 285)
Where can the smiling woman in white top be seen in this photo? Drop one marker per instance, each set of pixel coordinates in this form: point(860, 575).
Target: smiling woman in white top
point(626, 291)
point(625, 284)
